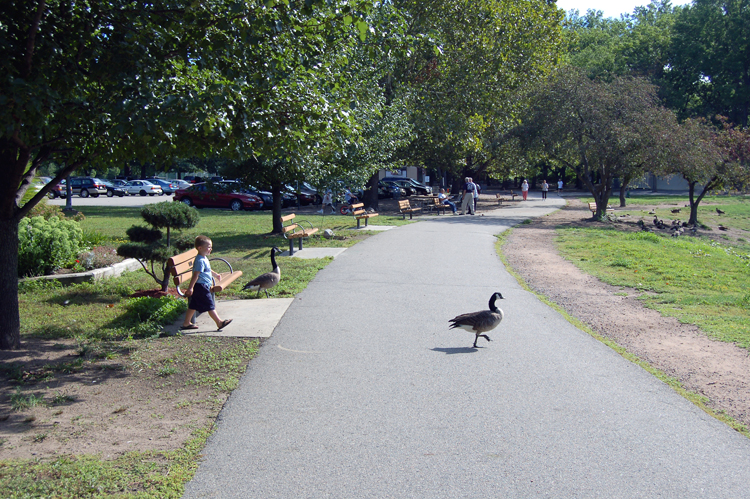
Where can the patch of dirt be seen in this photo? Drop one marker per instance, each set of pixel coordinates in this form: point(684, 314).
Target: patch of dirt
point(719, 371)
point(104, 402)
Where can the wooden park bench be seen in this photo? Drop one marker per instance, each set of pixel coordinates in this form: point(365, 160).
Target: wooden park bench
point(500, 198)
point(404, 207)
point(592, 207)
point(513, 195)
point(437, 204)
point(359, 212)
point(293, 230)
point(181, 269)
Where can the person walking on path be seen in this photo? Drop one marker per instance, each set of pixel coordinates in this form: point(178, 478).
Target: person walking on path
point(525, 189)
point(199, 289)
point(559, 186)
point(327, 201)
point(467, 199)
point(545, 188)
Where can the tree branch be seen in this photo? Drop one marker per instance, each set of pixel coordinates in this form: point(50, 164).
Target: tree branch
point(25, 71)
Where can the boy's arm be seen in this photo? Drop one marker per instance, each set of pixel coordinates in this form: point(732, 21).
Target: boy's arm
point(193, 280)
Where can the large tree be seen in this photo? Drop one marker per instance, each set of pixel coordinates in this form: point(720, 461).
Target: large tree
point(709, 64)
point(462, 97)
point(122, 80)
point(601, 130)
point(710, 158)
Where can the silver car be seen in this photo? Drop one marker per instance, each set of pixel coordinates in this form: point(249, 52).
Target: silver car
point(142, 187)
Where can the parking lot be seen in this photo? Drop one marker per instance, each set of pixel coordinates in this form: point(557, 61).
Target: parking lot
point(134, 201)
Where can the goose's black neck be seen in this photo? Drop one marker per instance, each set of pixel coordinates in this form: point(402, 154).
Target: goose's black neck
point(493, 298)
point(273, 258)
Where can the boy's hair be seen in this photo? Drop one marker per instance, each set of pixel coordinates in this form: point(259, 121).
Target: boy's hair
point(201, 241)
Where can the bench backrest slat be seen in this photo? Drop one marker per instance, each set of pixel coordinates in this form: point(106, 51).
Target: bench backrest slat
point(404, 204)
point(286, 218)
point(181, 266)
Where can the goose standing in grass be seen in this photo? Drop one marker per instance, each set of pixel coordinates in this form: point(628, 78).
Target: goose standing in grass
point(268, 280)
point(720, 212)
point(480, 322)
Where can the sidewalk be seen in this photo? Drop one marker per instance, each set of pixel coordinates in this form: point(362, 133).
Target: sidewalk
point(362, 391)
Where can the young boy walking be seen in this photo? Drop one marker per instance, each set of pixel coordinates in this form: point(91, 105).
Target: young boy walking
point(199, 289)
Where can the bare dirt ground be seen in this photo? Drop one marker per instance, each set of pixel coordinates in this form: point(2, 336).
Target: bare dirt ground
point(719, 371)
point(91, 404)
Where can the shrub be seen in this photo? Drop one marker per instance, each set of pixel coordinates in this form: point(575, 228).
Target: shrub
point(46, 245)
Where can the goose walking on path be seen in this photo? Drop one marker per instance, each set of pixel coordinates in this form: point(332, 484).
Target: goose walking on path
point(480, 322)
point(268, 280)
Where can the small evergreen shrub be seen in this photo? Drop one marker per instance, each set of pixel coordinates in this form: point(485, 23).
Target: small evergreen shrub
point(46, 245)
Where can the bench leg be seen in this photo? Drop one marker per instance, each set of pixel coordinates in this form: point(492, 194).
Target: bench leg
point(358, 223)
point(300, 243)
point(291, 247)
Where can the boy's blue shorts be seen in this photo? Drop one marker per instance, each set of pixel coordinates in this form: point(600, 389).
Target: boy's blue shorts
point(201, 300)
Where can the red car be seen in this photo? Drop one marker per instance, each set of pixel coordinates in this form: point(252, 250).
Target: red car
point(218, 195)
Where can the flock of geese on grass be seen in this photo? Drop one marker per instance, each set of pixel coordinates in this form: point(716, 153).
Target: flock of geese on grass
point(675, 226)
point(479, 323)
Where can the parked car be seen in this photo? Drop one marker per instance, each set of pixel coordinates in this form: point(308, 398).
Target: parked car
point(265, 196)
point(390, 190)
point(406, 188)
point(193, 179)
point(305, 195)
point(180, 183)
point(114, 190)
point(58, 191)
point(87, 186)
point(417, 187)
point(218, 195)
point(142, 187)
point(167, 186)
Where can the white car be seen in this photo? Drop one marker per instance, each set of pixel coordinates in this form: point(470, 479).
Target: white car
point(142, 187)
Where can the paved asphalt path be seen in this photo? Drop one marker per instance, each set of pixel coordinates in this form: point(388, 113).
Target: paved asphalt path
point(362, 391)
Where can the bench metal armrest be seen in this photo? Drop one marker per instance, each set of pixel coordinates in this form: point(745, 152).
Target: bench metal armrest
point(231, 271)
point(298, 224)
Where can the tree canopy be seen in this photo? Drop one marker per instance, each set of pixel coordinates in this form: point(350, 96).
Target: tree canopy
point(462, 96)
point(602, 130)
point(122, 80)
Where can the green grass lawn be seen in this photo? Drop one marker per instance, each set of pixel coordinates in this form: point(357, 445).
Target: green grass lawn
point(700, 281)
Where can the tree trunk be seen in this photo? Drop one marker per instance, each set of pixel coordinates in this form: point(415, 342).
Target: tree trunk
point(277, 202)
point(165, 280)
point(371, 192)
point(10, 331)
point(693, 220)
